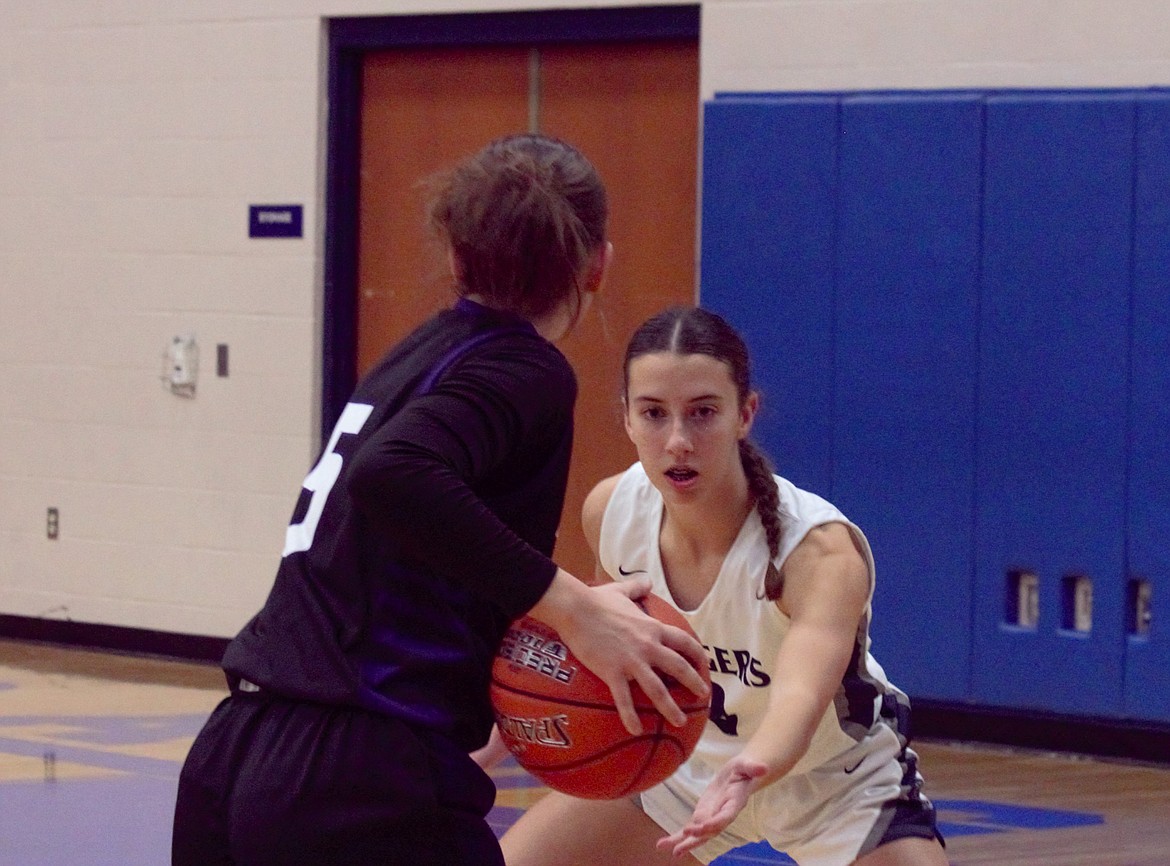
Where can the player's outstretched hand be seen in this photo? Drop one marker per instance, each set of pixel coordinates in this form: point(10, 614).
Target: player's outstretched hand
point(620, 643)
point(724, 798)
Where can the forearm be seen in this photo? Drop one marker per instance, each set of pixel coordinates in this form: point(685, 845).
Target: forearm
point(826, 588)
point(433, 515)
point(784, 733)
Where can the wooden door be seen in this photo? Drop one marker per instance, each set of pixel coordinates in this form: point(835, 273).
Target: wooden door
point(632, 108)
point(422, 110)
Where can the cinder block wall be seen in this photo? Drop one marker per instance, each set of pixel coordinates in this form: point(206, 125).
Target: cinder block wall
point(762, 45)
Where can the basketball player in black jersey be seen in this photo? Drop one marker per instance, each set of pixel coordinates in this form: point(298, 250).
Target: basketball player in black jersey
point(424, 528)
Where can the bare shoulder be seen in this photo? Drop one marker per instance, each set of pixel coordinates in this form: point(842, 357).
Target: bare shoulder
point(827, 573)
point(831, 546)
point(829, 538)
point(593, 509)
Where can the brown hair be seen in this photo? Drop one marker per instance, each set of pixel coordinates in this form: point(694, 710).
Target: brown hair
point(522, 218)
point(695, 331)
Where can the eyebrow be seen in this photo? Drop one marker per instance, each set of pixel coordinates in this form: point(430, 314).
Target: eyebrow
point(703, 398)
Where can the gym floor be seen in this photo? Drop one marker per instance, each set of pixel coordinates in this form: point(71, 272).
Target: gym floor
point(91, 745)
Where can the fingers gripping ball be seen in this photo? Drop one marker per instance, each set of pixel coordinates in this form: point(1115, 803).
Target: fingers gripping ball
point(559, 720)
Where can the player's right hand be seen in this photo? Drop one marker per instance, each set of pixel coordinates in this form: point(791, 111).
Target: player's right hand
point(620, 643)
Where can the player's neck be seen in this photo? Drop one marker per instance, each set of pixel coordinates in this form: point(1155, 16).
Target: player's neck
point(696, 530)
point(692, 551)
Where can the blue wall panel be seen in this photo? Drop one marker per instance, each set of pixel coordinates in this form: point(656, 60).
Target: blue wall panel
point(769, 186)
point(957, 306)
point(904, 415)
point(1053, 380)
point(1147, 675)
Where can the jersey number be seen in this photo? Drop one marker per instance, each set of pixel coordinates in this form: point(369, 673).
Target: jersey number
point(724, 721)
point(299, 536)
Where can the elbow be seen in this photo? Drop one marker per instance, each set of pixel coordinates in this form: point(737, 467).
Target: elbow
point(386, 489)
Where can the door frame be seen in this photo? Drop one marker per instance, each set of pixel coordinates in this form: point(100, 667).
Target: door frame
point(349, 40)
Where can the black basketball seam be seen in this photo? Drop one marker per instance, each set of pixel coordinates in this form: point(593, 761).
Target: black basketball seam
point(544, 696)
point(605, 753)
point(658, 738)
point(571, 702)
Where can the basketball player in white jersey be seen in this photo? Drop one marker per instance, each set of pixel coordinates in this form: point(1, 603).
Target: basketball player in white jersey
point(807, 742)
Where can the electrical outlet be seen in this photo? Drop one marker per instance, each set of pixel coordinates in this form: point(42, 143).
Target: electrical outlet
point(53, 524)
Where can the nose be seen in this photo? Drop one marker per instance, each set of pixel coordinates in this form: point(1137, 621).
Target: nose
point(678, 442)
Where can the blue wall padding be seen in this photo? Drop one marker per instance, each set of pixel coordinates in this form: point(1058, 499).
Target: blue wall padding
point(904, 401)
point(768, 265)
point(1053, 375)
point(958, 307)
point(1147, 681)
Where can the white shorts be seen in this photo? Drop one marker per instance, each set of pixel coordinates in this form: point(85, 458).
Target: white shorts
point(828, 816)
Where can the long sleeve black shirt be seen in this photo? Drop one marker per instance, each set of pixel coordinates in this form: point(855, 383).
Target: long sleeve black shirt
point(425, 528)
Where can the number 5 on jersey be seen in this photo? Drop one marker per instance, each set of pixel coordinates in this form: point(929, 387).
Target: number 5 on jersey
point(299, 536)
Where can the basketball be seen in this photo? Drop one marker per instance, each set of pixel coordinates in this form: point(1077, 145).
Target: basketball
point(559, 720)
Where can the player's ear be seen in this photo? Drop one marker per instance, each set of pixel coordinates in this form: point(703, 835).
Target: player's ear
point(454, 265)
point(626, 418)
point(599, 268)
point(747, 413)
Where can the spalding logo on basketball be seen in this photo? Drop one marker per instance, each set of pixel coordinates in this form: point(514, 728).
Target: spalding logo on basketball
point(559, 720)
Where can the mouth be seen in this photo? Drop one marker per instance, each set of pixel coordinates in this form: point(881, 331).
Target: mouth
point(681, 474)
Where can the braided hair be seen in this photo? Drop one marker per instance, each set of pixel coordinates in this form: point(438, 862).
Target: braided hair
point(695, 331)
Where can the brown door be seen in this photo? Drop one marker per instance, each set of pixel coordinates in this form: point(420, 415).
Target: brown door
point(422, 110)
point(632, 108)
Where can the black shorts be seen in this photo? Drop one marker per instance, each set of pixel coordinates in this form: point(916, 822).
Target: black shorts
point(270, 781)
point(912, 819)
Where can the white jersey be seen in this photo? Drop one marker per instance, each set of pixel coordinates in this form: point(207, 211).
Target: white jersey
point(741, 630)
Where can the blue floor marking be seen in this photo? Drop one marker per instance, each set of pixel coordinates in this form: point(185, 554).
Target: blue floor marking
point(961, 818)
point(979, 816)
point(114, 730)
point(88, 822)
point(131, 815)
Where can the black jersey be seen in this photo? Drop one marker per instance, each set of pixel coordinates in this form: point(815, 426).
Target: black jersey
point(425, 527)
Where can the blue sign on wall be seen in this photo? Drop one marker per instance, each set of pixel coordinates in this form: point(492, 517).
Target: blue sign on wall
point(275, 221)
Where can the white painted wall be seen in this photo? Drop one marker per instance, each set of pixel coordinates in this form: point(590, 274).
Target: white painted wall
point(753, 45)
point(133, 136)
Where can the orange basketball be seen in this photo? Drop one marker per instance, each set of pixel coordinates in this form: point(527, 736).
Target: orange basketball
point(559, 720)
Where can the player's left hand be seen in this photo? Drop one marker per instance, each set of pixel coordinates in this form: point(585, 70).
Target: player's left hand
point(724, 798)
